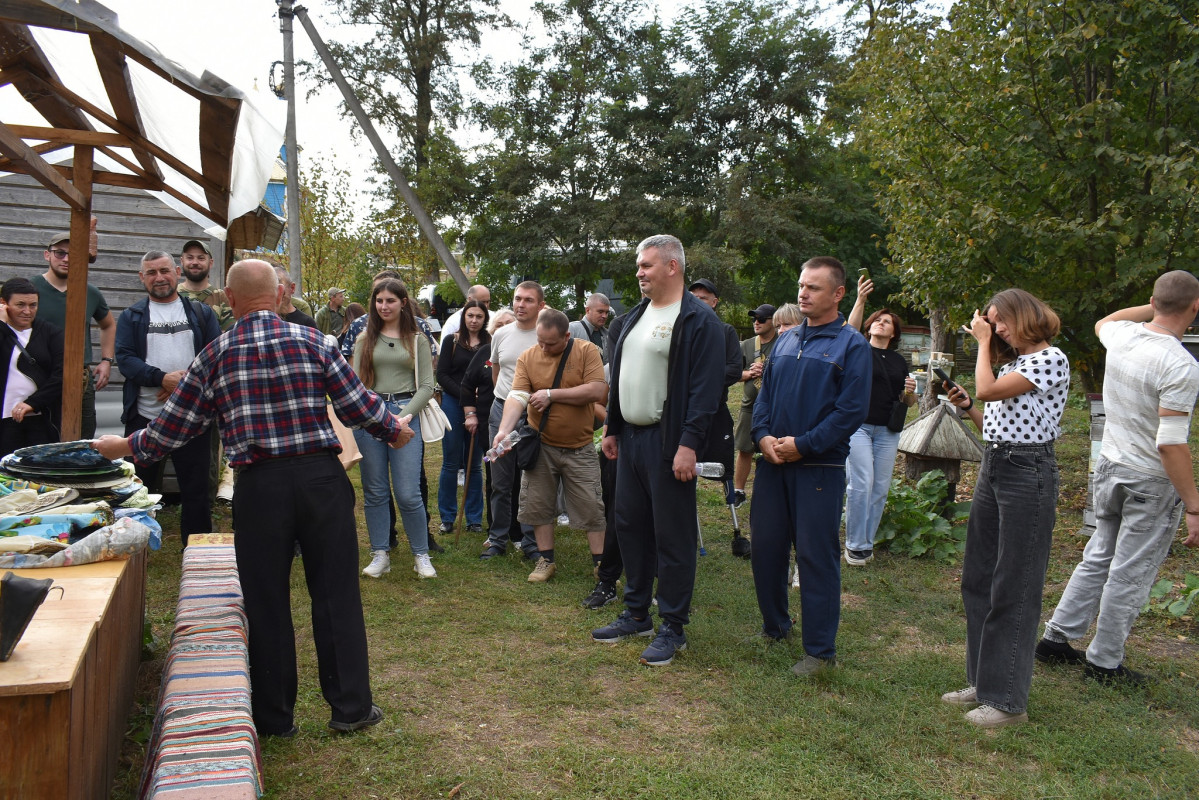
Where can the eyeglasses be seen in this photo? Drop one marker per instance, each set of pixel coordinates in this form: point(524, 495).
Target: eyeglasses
point(59, 253)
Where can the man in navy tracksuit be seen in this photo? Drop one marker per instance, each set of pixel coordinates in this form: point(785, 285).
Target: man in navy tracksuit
point(664, 392)
point(815, 393)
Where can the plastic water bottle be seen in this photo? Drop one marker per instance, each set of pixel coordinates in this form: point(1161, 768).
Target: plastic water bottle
point(506, 444)
point(709, 469)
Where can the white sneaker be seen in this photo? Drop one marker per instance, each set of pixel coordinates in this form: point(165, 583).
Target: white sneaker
point(991, 717)
point(962, 697)
point(564, 520)
point(795, 576)
point(424, 567)
point(461, 477)
point(380, 564)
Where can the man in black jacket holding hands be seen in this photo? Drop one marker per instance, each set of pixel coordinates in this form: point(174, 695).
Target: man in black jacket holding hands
point(665, 391)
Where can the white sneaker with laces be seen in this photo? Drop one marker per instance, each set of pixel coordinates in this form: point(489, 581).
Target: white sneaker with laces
point(424, 567)
point(795, 576)
point(380, 564)
point(962, 697)
point(991, 717)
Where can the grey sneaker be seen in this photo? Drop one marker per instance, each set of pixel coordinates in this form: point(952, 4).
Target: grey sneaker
point(962, 697)
point(623, 627)
point(810, 665)
point(991, 717)
point(666, 644)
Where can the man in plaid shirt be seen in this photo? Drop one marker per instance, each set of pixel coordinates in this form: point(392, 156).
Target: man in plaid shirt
point(264, 382)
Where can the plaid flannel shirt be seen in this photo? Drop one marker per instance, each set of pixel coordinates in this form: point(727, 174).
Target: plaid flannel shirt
point(265, 381)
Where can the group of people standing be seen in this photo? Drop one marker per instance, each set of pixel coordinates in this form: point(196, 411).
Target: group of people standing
point(656, 381)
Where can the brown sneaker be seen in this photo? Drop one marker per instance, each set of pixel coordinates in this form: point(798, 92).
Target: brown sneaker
point(543, 571)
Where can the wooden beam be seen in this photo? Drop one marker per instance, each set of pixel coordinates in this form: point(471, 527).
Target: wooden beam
point(42, 16)
point(218, 130)
point(15, 148)
point(138, 141)
point(24, 63)
point(71, 136)
point(162, 186)
point(41, 149)
point(76, 313)
point(114, 71)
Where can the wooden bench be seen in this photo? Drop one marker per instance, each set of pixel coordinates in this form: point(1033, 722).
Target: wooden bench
point(66, 692)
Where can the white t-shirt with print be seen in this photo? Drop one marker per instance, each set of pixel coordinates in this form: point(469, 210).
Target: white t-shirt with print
point(1033, 417)
point(170, 346)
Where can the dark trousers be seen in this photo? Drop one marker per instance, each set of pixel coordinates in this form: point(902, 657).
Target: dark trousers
point(655, 527)
point(612, 564)
point(36, 429)
point(801, 506)
point(277, 503)
point(191, 470)
point(1008, 540)
point(505, 491)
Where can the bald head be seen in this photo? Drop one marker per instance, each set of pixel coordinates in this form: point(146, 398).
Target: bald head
point(1175, 293)
point(252, 285)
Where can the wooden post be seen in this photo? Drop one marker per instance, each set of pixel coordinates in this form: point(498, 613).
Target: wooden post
point(76, 316)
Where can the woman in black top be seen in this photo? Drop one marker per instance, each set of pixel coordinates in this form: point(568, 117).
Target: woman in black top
point(31, 376)
point(873, 447)
point(456, 355)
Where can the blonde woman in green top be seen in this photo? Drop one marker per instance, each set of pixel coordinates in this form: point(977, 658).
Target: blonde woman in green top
point(388, 357)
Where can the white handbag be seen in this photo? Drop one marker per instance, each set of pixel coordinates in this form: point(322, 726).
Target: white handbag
point(433, 421)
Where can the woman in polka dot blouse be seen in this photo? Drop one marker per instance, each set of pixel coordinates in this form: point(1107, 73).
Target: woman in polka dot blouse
point(1015, 501)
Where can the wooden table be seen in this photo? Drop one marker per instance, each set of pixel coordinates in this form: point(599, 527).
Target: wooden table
point(66, 692)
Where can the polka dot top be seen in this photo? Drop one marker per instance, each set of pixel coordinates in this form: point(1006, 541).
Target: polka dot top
point(1035, 416)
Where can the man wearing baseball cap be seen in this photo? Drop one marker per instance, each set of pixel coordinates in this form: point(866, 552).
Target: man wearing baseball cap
point(331, 318)
point(196, 262)
point(52, 307)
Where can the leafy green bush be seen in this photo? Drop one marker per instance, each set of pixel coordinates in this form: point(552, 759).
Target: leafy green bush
point(913, 523)
point(1161, 596)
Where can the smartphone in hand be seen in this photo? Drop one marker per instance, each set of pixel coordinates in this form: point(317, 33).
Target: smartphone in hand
point(941, 374)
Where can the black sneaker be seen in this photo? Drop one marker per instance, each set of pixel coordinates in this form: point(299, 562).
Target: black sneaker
point(474, 527)
point(623, 627)
point(858, 558)
point(1115, 676)
point(445, 527)
point(1051, 652)
point(600, 596)
point(666, 644)
point(373, 718)
point(741, 547)
point(738, 497)
point(491, 552)
point(532, 555)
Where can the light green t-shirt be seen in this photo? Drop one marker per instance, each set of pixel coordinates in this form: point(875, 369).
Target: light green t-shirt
point(644, 363)
point(395, 373)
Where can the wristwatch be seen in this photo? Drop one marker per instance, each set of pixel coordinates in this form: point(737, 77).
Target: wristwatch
point(110, 360)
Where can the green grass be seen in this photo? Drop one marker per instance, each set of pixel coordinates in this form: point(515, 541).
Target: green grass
point(492, 687)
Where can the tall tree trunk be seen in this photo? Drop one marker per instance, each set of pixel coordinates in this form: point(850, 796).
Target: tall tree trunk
point(942, 341)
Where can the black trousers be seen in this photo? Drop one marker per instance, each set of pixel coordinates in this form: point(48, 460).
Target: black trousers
point(276, 503)
point(612, 564)
point(656, 527)
point(36, 429)
point(191, 470)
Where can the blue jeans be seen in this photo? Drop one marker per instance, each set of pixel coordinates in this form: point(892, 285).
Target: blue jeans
point(871, 462)
point(801, 506)
point(385, 469)
point(1003, 572)
point(1136, 517)
point(454, 449)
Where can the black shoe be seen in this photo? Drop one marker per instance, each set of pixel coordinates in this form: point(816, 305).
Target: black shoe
point(1051, 652)
point(491, 552)
point(474, 527)
point(373, 718)
point(600, 596)
point(445, 527)
point(532, 555)
point(434, 547)
point(738, 497)
point(1115, 676)
point(287, 734)
point(858, 558)
point(741, 547)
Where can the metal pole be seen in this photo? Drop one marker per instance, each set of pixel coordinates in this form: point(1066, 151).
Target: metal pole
point(289, 141)
point(401, 182)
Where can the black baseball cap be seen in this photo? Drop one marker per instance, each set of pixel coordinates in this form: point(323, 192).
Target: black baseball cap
point(763, 312)
point(704, 283)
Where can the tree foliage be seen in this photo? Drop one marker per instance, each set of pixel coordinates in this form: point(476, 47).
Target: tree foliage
point(331, 247)
point(1046, 144)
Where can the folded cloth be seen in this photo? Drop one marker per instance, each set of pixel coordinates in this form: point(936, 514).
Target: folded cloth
point(30, 544)
point(51, 530)
point(28, 500)
point(120, 540)
point(75, 521)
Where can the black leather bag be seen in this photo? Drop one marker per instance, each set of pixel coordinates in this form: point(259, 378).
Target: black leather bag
point(529, 447)
point(899, 414)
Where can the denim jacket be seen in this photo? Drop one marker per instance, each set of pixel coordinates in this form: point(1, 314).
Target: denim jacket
point(132, 328)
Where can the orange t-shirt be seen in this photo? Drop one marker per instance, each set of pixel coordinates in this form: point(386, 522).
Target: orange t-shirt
point(568, 426)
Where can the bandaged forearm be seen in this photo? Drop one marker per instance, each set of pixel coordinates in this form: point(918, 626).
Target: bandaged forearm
point(520, 397)
point(1173, 429)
